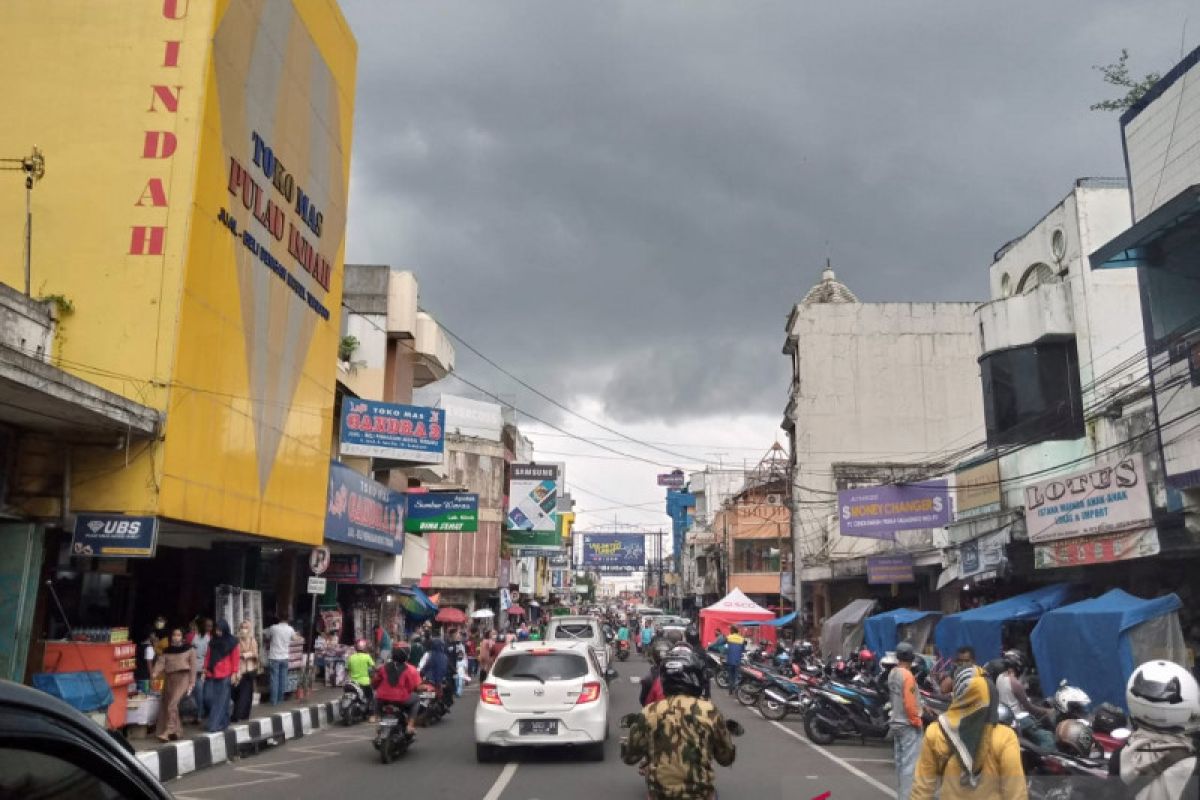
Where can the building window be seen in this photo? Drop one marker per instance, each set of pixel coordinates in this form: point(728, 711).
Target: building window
point(1031, 394)
point(760, 555)
point(1171, 285)
point(702, 566)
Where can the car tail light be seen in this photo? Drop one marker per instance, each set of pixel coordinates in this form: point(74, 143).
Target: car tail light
point(589, 694)
point(489, 695)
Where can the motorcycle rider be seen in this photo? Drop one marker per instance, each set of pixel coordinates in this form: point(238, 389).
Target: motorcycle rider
point(692, 636)
point(676, 739)
point(396, 684)
point(906, 715)
point(359, 666)
point(1160, 760)
point(652, 691)
point(1012, 694)
point(735, 647)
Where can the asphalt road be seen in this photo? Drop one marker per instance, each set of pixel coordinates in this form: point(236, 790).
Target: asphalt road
point(774, 760)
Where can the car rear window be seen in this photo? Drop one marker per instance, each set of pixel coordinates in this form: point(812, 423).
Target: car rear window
point(540, 666)
point(574, 630)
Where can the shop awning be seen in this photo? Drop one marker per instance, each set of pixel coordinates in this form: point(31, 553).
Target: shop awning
point(981, 627)
point(786, 619)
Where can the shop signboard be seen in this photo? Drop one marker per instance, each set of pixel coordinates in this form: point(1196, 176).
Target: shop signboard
point(890, 569)
point(878, 512)
point(561, 560)
point(614, 550)
point(984, 554)
point(977, 490)
point(1106, 498)
point(533, 539)
point(533, 497)
point(672, 480)
point(114, 536)
point(362, 512)
point(441, 512)
point(392, 431)
point(613, 572)
point(316, 585)
point(344, 568)
point(1101, 548)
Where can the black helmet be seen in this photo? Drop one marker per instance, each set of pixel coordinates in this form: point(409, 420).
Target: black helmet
point(1074, 737)
point(1015, 660)
point(658, 651)
point(400, 655)
point(905, 652)
point(682, 672)
point(995, 668)
point(674, 636)
point(1108, 718)
point(802, 649)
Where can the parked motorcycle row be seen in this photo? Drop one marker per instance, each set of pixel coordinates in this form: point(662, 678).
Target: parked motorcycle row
point(391, 739)
point(1065, 754)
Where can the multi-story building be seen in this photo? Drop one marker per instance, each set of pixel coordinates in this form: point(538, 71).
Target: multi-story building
point(881, 394)
point(190, 228)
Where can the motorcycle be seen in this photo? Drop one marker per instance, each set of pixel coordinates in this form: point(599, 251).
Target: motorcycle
point(392, 738)
point(841, 712)
point(432, 707)
point(782, 696)
point(623, 650)
point(353, 707)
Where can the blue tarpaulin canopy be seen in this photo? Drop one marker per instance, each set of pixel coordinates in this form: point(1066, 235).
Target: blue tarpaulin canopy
point(981, 627)
point(881, 631)
point(1088, 643)
point(786, 619)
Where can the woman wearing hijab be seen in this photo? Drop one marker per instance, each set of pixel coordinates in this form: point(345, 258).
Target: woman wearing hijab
point(220, 665)
point(247, 674)
point(435, 665)
point(965, 752)
point(178, 667)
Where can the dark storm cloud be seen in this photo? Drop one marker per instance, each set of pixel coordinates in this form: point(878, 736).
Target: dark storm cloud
point(624, 199)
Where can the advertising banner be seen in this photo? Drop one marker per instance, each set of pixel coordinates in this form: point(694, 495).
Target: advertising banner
point(441, 512)
point(877, 512)
point(890, 569)
point(672, 480)
point(114, 535)
point(363, 512)
point(535, 552)
point(613, 572)
point(533, 497)
point(392, 431)
point(977, 490)
point(521, 540)
point(344, 568)
point(561, 561)
point(1105, 498)
point(985, 554)
point(1101, 548)
point(626, 550)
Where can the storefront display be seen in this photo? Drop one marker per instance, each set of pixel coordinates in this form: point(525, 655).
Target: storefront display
point(115, 661)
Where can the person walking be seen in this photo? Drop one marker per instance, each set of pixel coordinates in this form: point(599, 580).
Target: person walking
point(905, 722)
point(177, 666)
point(220, 666)
point(247, 674)
point(200, 650)
point(966, 753)
point(735, 648)
point(486, 656)
point(279, 653)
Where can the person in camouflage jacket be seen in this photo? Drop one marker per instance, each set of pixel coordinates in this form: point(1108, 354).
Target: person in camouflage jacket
point(676, 739)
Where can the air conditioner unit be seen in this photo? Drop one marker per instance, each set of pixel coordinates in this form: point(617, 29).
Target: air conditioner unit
point(774, 499)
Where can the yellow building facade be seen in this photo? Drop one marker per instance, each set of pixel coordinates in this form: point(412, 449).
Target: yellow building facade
point(192, 218)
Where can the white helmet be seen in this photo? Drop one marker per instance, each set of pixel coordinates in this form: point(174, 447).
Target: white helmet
point(1163, 695)
point(1071, 700)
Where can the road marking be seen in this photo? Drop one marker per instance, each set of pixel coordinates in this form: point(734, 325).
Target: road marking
point(841, 762)
point(871, 760)
point(501, 783)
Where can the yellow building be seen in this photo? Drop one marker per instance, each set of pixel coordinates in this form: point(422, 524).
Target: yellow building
point(193, 216)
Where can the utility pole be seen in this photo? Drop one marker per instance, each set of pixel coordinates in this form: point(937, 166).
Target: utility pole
point(34, 167)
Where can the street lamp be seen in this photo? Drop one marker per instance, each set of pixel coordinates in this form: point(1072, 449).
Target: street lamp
point(34, 167)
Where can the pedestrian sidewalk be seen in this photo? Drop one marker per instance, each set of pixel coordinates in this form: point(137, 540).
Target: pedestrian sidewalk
point(267, 725)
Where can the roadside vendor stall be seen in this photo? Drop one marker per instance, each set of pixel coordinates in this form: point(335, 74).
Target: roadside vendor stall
point(733, 609)
point(842, 634)
point(1097, 643)
point(882, 632)
point(983, 628)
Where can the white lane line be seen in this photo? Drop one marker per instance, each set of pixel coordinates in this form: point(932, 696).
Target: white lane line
point(887, 791)
point(871, 760)
point(501, 783)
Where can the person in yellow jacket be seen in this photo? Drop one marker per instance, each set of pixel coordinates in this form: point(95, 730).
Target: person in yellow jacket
point(965, 752)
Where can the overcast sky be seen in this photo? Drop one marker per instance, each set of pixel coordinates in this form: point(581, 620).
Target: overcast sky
point(620, 201)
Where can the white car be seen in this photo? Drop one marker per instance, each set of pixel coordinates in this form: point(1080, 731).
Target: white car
point(581, 629)
point(543, 694)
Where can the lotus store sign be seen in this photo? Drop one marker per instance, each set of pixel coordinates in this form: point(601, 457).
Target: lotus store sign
point(1107, 498)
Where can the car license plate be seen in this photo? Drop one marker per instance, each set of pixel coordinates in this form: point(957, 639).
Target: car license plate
point(389, 722)
point(428, 695)
point(538, 727)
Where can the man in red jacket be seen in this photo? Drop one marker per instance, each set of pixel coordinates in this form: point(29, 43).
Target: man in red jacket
point(395, 685)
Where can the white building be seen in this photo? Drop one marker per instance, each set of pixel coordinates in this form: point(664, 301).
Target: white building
point(880, 393)
point(700, 567)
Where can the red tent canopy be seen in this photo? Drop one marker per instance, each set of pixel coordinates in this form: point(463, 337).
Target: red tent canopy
point(516, 611)
point(452, 616)
point(735, 607)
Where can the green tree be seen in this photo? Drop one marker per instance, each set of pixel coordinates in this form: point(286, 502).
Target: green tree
point(1117, 74)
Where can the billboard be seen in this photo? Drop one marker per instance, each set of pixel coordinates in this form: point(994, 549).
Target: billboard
point(977, 490)
point(203, 251)
point(441, 512)
point(533, 497)
point(877, 512)
point(393, 431)
point(621, 550)
point(363, 512)
point(1107, 497)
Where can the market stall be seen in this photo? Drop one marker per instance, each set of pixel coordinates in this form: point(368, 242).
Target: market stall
point(983, 628)
point(1095, 644)
point(882, 632)
point(842, 634)
point(733, 609)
